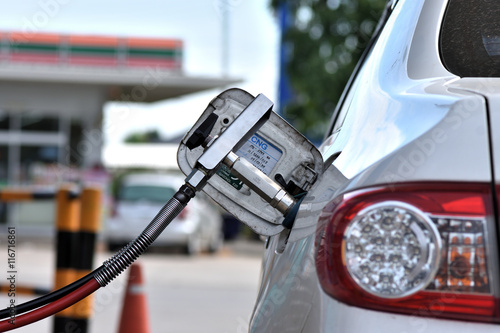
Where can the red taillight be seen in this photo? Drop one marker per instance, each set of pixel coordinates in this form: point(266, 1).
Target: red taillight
point(420, 249)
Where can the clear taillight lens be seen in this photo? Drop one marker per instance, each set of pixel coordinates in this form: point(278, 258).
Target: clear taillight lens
point(391, 249)
point(413, 248)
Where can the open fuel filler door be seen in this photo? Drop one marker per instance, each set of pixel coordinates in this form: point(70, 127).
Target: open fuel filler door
point(267, 166)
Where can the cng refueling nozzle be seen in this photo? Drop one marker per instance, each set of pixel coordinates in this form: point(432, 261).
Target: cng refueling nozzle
point(264, 186)
point(221, 151)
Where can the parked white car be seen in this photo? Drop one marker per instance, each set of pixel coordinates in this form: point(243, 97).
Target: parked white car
point(400, 233)
point(142, 195)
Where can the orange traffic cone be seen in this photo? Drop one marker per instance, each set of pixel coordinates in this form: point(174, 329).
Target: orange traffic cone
point(134, 316)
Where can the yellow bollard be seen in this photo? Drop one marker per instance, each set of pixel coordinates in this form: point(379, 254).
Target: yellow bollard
point(67, 224)
point(90, 223)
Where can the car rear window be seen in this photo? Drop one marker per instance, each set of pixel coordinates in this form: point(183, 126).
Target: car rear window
point(146, 193)
point(470, 38)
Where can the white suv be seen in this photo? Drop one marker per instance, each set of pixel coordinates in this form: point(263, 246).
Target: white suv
point(400, 233)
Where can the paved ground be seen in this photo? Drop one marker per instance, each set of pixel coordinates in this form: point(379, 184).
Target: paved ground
point(208, 293)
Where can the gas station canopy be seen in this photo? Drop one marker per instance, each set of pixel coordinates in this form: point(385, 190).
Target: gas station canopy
point(128, 69)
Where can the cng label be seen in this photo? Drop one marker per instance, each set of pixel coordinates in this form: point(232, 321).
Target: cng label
point(260, 153)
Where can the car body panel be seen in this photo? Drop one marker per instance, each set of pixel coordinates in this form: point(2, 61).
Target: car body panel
point(433, 125)
point(490, 89)
point(286, 296)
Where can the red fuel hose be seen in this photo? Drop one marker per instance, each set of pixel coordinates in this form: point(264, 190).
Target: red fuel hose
point(51, 308)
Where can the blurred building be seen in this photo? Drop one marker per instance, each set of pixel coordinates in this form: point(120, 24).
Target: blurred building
point(53, 88)
point(52, 92)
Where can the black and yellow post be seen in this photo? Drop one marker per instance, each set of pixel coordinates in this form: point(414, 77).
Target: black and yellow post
point(12, 195)
point(67, 224)
point(90, 223)
point(78, 219)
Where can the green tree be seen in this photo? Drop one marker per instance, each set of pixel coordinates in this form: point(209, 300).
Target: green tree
point(323, 44)
point(150, 136)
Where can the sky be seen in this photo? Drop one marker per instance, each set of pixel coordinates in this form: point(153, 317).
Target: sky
point(252, 40)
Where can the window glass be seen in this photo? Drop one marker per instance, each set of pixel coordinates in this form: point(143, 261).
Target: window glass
point(39, 123)
point(45, 154)
point(4, 157)
point(470, 38)
point(4, 121)
point(34, 156)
